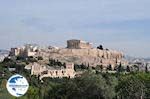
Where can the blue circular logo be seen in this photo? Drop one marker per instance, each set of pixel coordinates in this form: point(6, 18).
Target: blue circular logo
point(17, 85)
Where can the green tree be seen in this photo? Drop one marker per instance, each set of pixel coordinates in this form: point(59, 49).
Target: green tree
point(146, 69)
point(120, 68)
point(130, 87)
point(100, 47)
point(33, 93)
point(128, 69)
point(109, 67)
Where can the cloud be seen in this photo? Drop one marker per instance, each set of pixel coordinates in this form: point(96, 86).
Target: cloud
point(37, 24)
point(116, 23)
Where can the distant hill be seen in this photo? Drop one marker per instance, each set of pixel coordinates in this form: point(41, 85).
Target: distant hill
point(147, 59)
point(131, 59)
point(3, 52)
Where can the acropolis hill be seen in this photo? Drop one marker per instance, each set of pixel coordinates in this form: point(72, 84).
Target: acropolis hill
point(77, 52)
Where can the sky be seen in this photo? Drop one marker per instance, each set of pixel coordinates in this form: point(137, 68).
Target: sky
point(122, 25)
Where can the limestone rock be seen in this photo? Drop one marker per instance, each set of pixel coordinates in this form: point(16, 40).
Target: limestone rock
point(92, 57)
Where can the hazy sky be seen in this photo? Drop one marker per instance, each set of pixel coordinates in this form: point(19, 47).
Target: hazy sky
point(117, 24)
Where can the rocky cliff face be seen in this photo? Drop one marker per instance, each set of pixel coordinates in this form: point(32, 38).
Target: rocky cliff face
point(91, 57)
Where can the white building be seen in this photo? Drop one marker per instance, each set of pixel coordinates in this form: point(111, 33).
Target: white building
point(3, 55)
point(26, 50)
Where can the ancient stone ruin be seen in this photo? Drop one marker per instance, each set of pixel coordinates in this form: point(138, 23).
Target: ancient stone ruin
point(81, 52)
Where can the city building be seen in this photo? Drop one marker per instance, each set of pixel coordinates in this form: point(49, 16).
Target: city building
point(3, 54)
point(148, 66)
point(26, 50)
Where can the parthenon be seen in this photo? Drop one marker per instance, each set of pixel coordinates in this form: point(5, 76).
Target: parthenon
point(78, 44)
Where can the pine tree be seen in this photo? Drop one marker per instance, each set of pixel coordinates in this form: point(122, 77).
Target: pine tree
point(128, 69)
point(146, 68)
